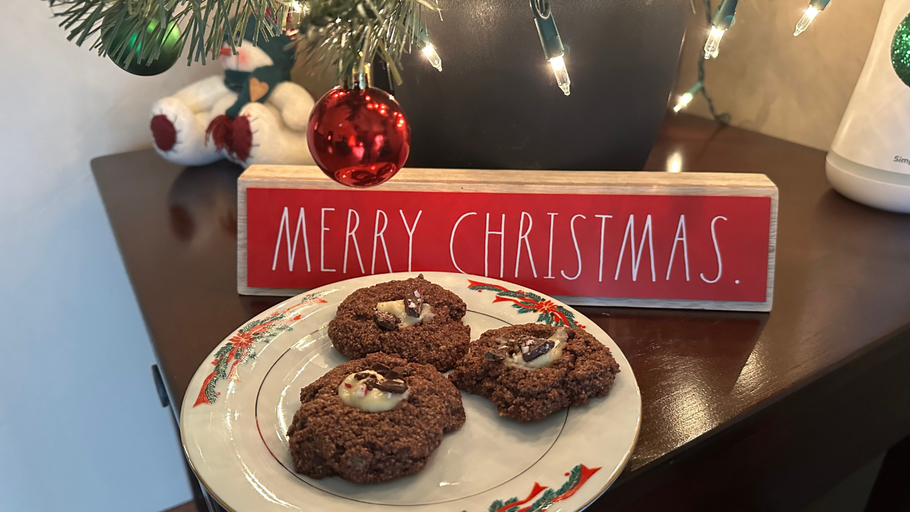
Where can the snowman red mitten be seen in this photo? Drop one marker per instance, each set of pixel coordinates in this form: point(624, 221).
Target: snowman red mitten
point(252, 115)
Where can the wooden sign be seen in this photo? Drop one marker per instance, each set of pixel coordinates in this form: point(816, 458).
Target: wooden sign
point(643, 239)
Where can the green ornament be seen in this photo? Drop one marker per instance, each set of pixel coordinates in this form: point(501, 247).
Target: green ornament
point(900, 51)
point(129, 59)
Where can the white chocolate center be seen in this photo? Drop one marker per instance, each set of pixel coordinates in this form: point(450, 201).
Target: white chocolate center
point(354, 392)
point(397, 309)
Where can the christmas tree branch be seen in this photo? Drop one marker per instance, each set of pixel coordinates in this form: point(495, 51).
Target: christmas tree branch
point(336, 34)
point(344, 34)
point(205, 25)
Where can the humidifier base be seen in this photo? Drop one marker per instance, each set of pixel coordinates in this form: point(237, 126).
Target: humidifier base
point(874, 187)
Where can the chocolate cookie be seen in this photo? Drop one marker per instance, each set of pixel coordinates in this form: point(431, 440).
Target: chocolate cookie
point(414, 319)
point(532, 370)
point(333, 432)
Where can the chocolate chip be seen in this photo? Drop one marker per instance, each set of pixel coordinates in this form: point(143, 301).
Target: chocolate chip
point(396, 373)
point(413, 303)
point(497, 354)
point(386, 321)
point(536, 347)
point(391, 386)
point(380, 368)
point(362, 375)
point(493, 356)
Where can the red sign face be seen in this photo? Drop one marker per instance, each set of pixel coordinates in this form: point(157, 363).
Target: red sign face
point(616, 246)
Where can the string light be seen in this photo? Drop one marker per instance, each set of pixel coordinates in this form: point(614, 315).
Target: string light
point(561, 73)
point(720, 22)
point(815, 7)
point(429, 51)
point(712, 45)
point(723, 19)
point(699, 86)
point(553, 49)
point(687, 97)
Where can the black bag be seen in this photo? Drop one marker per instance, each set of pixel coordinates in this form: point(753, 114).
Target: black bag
point(496, 103)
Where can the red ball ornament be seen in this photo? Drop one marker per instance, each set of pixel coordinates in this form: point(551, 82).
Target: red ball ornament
point(358, 137)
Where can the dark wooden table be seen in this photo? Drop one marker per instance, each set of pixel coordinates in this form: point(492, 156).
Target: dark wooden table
point(740, 411)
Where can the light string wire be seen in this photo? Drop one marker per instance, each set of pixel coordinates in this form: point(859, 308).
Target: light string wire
point(723, 117)
point(337, 33)
point(719, 22)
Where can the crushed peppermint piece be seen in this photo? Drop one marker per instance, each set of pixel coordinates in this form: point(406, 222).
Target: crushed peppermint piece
point(413, 303)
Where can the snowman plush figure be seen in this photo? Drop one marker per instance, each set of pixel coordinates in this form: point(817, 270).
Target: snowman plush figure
point(253, 114)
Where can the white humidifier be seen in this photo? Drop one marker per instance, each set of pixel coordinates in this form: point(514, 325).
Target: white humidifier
point(869, 160)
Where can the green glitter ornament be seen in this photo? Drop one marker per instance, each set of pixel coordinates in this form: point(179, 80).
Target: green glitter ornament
point(130, 58)
point(900, 51)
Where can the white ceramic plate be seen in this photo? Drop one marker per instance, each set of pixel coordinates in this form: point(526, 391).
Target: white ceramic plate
point(241, 400)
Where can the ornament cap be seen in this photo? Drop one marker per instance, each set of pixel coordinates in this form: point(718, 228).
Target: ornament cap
point(359, 79)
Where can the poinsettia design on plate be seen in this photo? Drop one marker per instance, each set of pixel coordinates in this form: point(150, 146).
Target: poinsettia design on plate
point(577, 477)
point(239, 348)
point(527, 302)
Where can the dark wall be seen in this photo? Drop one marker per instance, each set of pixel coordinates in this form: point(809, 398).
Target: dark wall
point(496, 104)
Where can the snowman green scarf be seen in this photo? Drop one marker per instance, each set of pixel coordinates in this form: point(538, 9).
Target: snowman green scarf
point(257, 85)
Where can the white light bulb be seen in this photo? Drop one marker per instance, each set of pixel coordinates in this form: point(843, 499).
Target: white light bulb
point(562, 74)
point(712, 45)
point(803, 23)
point(684, 100)
point(430, 51)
